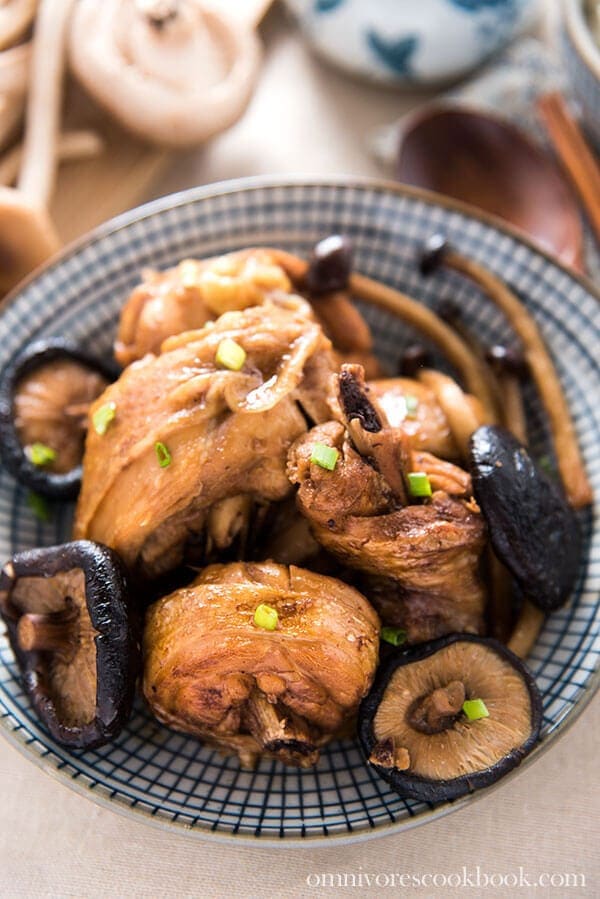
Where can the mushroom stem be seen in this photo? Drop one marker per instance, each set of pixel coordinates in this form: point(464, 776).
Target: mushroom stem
point(50, 632)
point(526, 630)
point(71, 145)
point(415, 314)
point(286, 736)
point(438, 711)
point(43, 107)
point(542, 369)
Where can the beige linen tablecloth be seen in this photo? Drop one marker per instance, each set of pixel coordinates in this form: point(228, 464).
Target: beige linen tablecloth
point(56, 843)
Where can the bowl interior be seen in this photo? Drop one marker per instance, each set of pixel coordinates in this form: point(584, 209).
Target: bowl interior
point(168, 776)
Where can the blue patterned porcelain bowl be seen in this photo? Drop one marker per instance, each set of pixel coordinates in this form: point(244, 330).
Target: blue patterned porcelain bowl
point(582, 60)
point(160, 776)
point(403, 42)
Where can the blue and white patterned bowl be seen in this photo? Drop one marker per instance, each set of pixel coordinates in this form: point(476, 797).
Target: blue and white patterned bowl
point(422, 42)
point(582, 60)
point(155, 774)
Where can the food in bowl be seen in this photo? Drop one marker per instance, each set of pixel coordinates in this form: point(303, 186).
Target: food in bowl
point(279, 516)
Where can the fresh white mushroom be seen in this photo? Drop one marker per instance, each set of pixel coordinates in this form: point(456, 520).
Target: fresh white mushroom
point(71, 145)
point(27, 235)
point(15, 18)
point(173, 71)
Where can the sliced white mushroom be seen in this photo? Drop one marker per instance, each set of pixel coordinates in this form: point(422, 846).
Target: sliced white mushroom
point(173, 71)
point(15, 18)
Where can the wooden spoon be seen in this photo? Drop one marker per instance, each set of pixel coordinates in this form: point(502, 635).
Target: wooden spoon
point(482, 160)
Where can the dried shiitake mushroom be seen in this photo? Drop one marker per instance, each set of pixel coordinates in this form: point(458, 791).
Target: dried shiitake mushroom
point(533, 530)
point(66, 609)
point(44, 398)
point(448, 717)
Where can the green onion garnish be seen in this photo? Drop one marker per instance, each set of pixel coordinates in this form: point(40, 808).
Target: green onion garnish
point(412, 404)
point(325, 456)
point(230, 354)
point(103, 416)
point(418, 484)
point(162, 454)
point(38, 506)
point(545, 463)
point(40, 454)
point(394, 635)
point(475, 709)
point(266, 617)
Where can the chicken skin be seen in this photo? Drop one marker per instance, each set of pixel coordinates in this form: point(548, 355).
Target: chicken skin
point(363, 514)
point(224, 434)
point(210, 670)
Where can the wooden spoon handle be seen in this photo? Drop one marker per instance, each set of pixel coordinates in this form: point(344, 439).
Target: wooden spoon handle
point(574, 153)
point(38, 169)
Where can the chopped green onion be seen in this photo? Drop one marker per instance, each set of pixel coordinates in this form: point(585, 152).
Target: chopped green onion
point(103, 416)
point(418, 483)
point(545, 463)
point(40, 454)
point(325, 456)
point(394, 635)
point(38, 506)
point(412, 404)
point(475, 709)
point(230, 354)
point(266, 617)
point(162, 454)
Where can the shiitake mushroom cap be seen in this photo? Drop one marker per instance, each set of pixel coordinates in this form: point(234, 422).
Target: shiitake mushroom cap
point(428, 789)
point(329, 265)
point(533, 529)
point(116, 643)
point(51, 484)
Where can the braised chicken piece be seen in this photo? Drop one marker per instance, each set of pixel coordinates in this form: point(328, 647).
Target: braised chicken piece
point(194, 292)
point(260, 658)
point(185, 297)
point(362, 509)
point(431, 410)
point(197, 438)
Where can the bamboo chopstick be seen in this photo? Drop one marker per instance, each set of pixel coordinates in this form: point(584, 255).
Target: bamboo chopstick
point(574, 153)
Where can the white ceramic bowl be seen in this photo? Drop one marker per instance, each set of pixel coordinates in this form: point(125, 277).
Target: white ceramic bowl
point(404, 42)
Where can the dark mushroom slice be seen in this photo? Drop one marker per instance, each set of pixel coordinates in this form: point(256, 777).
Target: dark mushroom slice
point(44, 399)
point(67, 612)
point(449, 717)
point(533, 529)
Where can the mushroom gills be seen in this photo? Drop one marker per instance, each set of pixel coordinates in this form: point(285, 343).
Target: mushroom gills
point(45, 396)
point(53, 620)
point(72, 630)
point(414, 725)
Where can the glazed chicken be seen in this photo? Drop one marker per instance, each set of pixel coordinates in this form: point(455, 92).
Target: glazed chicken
point(212, 669)
point(185, 297)
point(194, 292)
point(432, 410)
point(362, 513)
point(194, 448)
